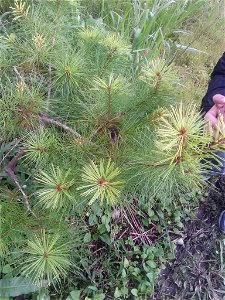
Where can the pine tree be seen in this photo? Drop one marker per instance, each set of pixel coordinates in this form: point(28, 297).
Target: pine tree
point(87, 123)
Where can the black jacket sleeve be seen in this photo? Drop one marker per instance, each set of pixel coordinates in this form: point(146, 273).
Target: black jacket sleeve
point(216, 84)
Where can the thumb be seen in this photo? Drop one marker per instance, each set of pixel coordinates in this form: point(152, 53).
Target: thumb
point(219, 99)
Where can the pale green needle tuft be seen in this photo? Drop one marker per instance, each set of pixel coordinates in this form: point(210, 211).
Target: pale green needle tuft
point(47, 259)
point(55, 188)
point(102, 183)
point(38, 145)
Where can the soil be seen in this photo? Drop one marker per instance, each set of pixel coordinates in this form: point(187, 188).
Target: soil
point(197, 272)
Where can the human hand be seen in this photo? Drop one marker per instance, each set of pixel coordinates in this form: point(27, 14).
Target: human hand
point(219, 108)
point(212, 116)
point(219, 100)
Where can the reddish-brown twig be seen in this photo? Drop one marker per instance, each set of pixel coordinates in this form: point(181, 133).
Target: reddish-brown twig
point(15, 143)
point(47, 120)
point(9, 169)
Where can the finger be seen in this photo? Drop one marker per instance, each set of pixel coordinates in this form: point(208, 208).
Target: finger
point(219, 99)
point(220, 106)
point(211, 116)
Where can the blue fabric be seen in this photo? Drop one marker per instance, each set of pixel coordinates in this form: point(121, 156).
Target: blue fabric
point(219, 168)
point(222, 221)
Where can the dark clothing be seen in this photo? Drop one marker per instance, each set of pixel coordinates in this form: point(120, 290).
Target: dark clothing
point(216, 85)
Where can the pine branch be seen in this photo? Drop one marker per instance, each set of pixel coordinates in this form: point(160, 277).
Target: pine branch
point(15, 159)
point(47, 120)
point(116, 118)
point(213, 144)
point(164, 163)
point(49, 86)
point(106, 123)
point(15, 143)
point(18, 74)
point(109, 89)
point(107, 60)
point(9, 169)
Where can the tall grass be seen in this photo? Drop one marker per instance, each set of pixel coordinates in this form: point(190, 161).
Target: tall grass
point(152, 25)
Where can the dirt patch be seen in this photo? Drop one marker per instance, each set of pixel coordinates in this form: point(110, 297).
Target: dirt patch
point(196, 272)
